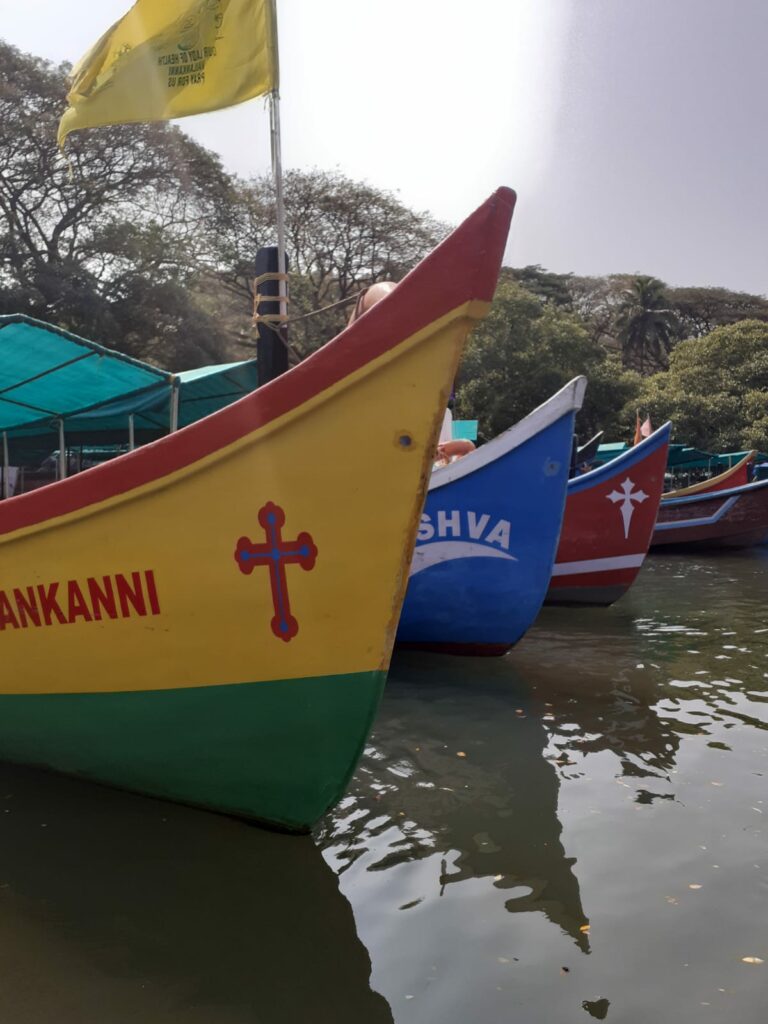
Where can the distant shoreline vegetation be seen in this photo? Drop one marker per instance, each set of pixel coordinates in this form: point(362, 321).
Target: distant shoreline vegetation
point(148, 247)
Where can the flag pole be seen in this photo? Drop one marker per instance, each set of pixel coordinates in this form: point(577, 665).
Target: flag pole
point(277, 167)
point(277, 174)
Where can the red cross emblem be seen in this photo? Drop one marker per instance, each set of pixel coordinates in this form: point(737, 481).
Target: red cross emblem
point(276, 553)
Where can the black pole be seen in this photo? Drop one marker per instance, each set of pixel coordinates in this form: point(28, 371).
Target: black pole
point(271, 349)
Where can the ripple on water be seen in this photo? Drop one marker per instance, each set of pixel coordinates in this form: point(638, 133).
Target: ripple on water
point(585, 809)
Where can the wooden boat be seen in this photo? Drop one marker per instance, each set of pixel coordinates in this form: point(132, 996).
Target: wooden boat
point(488, 536)
point(734, 476)
point(210, 618)
point(609, 517)
point(733, 518)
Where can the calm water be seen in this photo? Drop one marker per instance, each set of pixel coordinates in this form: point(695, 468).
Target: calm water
point(578, 831)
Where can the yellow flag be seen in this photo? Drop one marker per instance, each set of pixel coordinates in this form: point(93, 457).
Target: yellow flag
point(171, 58)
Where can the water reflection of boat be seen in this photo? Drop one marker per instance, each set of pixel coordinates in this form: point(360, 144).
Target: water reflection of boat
point(456, 763)
point(669, 662)
point(116, 902)
point(604, 700)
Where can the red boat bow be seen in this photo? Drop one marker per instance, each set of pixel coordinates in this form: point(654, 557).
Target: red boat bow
point(609, 518)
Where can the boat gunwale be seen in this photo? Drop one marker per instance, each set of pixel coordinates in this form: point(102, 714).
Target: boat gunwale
point(565, 401)
point(709, 486)
point(436, 287)
point(621, 463)
point(692, 499)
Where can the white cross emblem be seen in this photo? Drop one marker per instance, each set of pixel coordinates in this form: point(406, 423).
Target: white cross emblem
point(626, 496)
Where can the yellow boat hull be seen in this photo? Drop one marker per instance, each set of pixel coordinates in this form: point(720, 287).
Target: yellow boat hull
point(211, 617)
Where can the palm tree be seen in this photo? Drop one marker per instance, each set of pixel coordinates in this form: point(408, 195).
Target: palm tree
point(645, 325)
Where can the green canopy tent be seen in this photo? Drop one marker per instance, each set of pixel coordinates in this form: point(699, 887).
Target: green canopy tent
point(606, 452)
point(683, 458)
point(147, 415)
point(728, 459)
point(59, 391)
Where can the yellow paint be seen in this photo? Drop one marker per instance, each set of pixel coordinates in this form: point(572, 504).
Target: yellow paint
point(336, 467)
point(171, 59)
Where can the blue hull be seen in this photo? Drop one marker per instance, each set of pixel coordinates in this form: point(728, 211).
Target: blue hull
point(488, 537)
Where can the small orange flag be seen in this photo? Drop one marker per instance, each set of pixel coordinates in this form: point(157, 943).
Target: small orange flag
point(638, 430)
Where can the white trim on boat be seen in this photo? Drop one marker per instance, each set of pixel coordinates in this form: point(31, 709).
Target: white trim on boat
point(448, 550)
point(693, 499)
point(568, 399)
point(598, 565)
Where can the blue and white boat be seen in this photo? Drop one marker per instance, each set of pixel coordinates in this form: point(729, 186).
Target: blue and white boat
point(488, 536)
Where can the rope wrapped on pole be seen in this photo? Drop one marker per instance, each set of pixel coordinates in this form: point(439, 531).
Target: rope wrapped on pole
point(280, 317)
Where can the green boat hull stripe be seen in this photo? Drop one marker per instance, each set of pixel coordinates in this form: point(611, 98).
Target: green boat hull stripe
point(280, 752)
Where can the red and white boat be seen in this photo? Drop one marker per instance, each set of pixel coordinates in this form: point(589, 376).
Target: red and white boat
point(610, 514)
point(736, 517)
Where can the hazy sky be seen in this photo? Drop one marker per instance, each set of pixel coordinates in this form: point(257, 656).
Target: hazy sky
point(633, 130)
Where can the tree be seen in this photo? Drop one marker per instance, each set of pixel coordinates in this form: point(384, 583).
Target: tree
point(596, 301)
point(341, 236)
point(716, 389)
point(547, 286)
point(646, 326)
point(701, 310)
point(139, 239)
point(524, 352)
point(110, 241)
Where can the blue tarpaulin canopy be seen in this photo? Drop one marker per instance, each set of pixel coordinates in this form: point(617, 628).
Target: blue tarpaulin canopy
point(682, 458)
point(609, 451)
point(728, 459)
point(51, 380)
point(680, 455)
point(464, 430)
point(47, 373)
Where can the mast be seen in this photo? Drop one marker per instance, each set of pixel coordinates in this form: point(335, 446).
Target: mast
point(277, 167)
point(277, 174)
point(270, 311)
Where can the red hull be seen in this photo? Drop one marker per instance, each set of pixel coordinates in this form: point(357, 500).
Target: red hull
point(736, 476)
point(609, 519)
point(736, 518)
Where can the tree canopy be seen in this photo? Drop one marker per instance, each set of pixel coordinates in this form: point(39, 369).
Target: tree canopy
point(524, 352)
point(141, 240)
point(646, 325)
point(716, 389)
point(108, 241)
point(701, 310)
point(341, 236)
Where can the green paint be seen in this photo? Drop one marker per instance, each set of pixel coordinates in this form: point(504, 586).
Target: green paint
point(280, 752)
